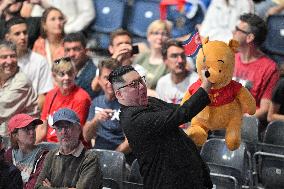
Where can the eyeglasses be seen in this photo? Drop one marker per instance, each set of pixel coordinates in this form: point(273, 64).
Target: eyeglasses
point(135, 83)
point(240, 30)
point(57, 61)
point(164, 34)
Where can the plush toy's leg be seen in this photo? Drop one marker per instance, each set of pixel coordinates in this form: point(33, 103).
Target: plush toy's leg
point(197, 132)
point(233, 135)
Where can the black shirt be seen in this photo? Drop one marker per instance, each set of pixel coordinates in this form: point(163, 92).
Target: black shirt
point(167, 157)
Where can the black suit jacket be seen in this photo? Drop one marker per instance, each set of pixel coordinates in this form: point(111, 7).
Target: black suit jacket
point(167, 157)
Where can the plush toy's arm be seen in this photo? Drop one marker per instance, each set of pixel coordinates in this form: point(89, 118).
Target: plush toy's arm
point(185, 98)
point(247, 101)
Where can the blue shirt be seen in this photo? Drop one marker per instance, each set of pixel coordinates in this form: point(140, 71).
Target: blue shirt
point(109, 133)
point(85, 77)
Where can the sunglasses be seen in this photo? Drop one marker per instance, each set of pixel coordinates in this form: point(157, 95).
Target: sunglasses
point(58, 61)
point(135, 83)
point(240, 30)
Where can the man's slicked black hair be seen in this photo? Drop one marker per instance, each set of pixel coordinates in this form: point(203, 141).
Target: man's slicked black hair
point(116, 75)
point(75, 37)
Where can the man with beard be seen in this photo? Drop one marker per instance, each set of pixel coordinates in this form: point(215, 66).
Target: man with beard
point(10, 9)
point(71, 165)
point(179, 78)
point(168, 158)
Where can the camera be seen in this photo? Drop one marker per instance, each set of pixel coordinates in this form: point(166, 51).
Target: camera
point(135, 49)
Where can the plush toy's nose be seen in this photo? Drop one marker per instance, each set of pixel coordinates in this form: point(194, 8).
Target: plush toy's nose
point(207, 74)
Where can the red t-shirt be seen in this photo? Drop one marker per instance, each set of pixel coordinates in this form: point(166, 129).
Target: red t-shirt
point(259, 76)
point(78, 100)
point(220, 96)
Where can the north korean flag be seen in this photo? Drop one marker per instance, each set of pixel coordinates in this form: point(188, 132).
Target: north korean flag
point(192, 44)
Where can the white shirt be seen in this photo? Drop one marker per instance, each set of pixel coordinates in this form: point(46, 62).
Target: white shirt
point(37, 70)
point(79, 13)
point(220, 19)
point(170, 92)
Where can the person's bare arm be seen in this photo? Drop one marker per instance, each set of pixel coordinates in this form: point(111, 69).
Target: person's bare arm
point(261, 112)
point(40, 101)
point(89, 129)
point(41, 132)
point(273, 113)
point(124, 147)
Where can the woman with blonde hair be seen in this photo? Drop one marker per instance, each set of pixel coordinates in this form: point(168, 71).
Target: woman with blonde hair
point(65, 95)
point(152, 61)
point(50, 43)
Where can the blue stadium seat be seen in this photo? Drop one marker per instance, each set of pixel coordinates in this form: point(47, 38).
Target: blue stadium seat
point(110, 16)
point(184, 23)
point(228, 169)
point(274, 43)
point(142, 13)
point(269, 160)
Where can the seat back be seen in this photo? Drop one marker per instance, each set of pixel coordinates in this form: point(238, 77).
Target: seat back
point(135, 175)
point(132, 185)
point(249, 133)
point(224, 177)
point(215, 151)
point(143, 12)
point(274, 42)
point(109, 15)
point(112, 164)
point(110, 183)
point(274, 133)
point(184, 23)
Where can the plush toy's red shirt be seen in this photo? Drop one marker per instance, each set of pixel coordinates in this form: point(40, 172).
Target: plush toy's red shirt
point(220, 96)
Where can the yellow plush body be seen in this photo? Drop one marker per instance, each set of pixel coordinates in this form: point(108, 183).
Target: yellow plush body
point(220, 60)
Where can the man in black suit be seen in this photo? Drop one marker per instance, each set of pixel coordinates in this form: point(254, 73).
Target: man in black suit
point(168, 159)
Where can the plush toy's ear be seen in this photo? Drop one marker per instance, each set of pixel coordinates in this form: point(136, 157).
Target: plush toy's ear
point(233, 44)
point(205, 40)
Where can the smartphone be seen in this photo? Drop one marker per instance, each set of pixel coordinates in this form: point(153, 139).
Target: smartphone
point(135, 49)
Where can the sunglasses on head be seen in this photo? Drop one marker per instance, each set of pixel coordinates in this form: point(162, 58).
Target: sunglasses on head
point(57, 61)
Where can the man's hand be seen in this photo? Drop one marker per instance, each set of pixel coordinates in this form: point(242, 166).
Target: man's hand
point(46, 183)
point(123, 52)
point(4, 4)
point(103, 114)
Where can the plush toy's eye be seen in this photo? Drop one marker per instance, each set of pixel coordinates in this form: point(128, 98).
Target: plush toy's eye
point(219, 71)
point(221, 61)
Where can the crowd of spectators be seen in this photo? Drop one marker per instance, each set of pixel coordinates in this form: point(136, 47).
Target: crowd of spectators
point(52, 90)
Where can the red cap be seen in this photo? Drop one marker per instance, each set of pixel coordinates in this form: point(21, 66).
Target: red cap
point(20, 121)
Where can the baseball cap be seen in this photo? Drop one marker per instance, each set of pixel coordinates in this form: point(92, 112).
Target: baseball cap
point(21, 120)
point(65, 114)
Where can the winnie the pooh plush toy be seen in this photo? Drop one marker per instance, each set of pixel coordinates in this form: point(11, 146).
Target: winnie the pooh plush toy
point(229, 99)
